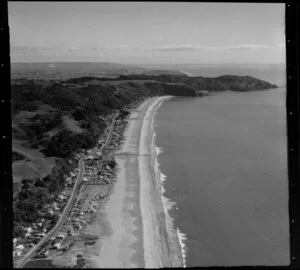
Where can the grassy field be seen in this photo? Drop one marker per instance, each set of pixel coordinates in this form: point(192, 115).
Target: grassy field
point(35, 164)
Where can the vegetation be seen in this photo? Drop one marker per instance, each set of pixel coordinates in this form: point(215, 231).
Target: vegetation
point(35, 194)
point(49, 103)
point(17, 156)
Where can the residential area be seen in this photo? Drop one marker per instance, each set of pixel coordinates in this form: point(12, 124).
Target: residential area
point(99, 170)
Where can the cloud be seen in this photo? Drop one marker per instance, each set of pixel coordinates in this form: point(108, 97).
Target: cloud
point(74, 48)
point(189, 47)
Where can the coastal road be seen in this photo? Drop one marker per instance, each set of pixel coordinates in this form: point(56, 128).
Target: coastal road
point(109, 135)
point(31, 253)
point(61, 220)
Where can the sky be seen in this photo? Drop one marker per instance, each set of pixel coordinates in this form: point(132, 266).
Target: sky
point(147, 32)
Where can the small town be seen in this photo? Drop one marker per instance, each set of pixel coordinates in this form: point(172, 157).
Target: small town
point(99, 169)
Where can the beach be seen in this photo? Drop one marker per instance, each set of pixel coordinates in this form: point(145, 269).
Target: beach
point(133, 223)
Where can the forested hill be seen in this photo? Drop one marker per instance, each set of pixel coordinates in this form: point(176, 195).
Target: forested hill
point(53, 119)
point(222, 83)
point(40, 107)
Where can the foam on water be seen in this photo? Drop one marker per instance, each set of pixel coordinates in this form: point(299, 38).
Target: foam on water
point(168, 204)
point(158, 150)
point(182, 237)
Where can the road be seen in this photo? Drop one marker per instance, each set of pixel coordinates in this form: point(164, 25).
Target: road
point(61, 220)
point(31, 253)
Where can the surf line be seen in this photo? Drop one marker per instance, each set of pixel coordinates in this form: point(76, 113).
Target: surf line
point(167, 204)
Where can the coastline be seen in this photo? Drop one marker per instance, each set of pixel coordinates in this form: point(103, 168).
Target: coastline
point(154, 206)
point(133, 219)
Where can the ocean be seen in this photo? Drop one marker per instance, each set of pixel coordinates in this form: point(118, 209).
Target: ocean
point(223, 163)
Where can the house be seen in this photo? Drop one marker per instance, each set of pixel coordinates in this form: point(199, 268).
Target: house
point(19, 247)
point(54, 204)
point(60, 236)
point(77, 227)
point(41, 234)
point(17, 253)
point(56, 245)
point(61, 196)
point(28, 229)
point(70, 232)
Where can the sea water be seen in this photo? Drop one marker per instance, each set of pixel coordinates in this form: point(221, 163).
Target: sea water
point(223, 163)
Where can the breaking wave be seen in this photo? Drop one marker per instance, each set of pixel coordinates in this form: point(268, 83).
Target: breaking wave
point(168, 205)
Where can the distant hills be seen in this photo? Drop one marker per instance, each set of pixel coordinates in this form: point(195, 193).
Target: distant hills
point(65, 70)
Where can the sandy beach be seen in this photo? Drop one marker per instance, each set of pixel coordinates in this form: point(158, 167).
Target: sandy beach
point(133, 230)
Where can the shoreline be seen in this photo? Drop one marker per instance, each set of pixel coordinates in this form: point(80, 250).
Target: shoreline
point(154, 206)
point(134, 215)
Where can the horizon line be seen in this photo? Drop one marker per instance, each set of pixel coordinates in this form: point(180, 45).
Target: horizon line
point(152, 64)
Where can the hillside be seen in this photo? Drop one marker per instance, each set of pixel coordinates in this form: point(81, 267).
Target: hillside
point(52, 120)
point(65, 70)
point(56, 118)
point(222, 83)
